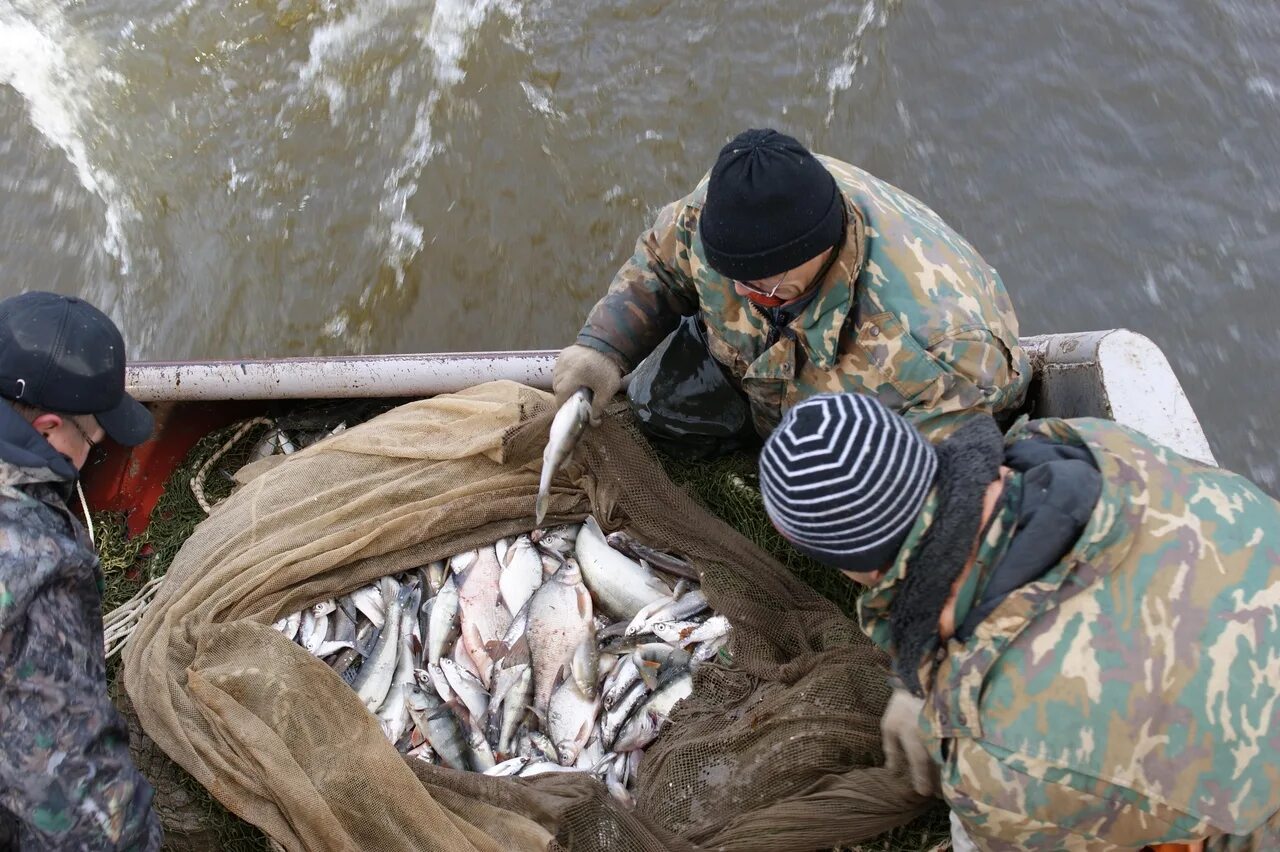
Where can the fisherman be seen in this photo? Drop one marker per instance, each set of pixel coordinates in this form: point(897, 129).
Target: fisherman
point(66, 778)
point(810, 276)
point(1083, 623)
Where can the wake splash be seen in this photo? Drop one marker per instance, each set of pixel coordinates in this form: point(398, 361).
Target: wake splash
point(55, 72)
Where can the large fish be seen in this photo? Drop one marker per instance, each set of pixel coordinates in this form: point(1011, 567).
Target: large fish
point(484, 618)
point(623, 586)
point(559, 616)
point(566, 428)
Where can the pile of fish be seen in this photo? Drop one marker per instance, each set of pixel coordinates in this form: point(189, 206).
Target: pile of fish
point(559, 650)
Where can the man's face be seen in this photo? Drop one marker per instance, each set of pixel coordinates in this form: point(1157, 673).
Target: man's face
point(786, 285)
point(75, 436)
point(865, 578)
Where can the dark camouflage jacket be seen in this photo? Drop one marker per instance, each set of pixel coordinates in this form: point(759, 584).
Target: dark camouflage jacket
point(908, 311)
point(1131, 694)
point(66, 778)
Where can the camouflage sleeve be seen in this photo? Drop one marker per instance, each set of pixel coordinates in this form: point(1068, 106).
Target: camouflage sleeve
point(650, 293)
point(1004, 809)
point(65, 770)
point(979, 375)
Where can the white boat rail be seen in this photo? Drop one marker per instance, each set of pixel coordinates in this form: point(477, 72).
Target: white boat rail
point(1116, 374)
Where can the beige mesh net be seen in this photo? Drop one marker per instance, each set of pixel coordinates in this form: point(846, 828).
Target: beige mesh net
point(778, 752)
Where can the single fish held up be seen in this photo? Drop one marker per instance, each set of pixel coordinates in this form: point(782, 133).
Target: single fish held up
point(566, 428)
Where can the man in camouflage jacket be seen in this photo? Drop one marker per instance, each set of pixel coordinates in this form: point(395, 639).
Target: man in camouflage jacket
point(66, 778)
point(1091, 623)
point(811, 276)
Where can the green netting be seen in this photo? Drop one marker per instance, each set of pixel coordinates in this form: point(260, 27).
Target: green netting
point(726, 486)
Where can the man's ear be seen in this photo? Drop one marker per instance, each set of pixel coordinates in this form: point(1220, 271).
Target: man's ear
point(46, 423)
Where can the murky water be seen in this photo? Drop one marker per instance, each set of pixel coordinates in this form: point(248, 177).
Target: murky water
point(285, 177)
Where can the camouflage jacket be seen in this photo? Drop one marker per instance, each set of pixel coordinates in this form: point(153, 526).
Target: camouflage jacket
point(1131, 695)
point(66, 778)
point(909, 311)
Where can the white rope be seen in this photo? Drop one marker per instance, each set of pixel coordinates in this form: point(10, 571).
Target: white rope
point(84, 507)
point(197, 482)
point(118, 625)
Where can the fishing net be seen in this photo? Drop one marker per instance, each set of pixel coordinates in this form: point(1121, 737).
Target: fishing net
point(778, 751)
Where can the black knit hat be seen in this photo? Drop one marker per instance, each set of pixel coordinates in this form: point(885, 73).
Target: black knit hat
point(843, 478)
point(770, 207)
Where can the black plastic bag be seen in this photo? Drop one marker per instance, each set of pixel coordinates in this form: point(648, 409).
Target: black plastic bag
point(684, 401)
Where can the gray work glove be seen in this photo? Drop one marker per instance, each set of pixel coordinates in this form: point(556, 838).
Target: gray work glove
point(904, 742)
point(581, 366)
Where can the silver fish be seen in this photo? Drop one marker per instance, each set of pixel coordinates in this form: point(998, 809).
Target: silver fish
point(556, 540)
point(673, 565)
point(514, 706)
point(443, 628)
point(613, 720)
point(441, 729)
point(314, 637)
point(544, 767)
point(709, 649)
point(511, 766)
point(324, 607)
point(436, 573)
point(378, 670)
point(393, 715)
point(570, 718)
point(566, 428)
point(622, 585)
point(685, 607)
point(620, 680)
point(645, 723)
point(469, 689)
point(585, 666)
point(675, 633)
point(484, 618)
point(560, 615)
point(713, 628)
point(482, 758)
point(369, 601)
point(289, 625)
point(521, 574)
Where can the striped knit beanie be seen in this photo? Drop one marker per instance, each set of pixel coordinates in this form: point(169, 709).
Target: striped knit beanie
point(843, 478)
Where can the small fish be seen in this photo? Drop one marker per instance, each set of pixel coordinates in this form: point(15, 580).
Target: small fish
point(675, 632)
point(376, 674)
point(566, 428)
point(436, 573)
point(370, 603)
point(613, 720)
point(289, 625)
point(620, 680)
point(673, 565)
point(645, 723)
point(709, 649)
point(443, 628)
point(585, 666)
point(521, 574)
point(545, 767)
point(315, 637)
point(468, 688)
point(508, 767)
point(324, 607)
point(393, 715)
point(570, 717)
point(556, 540)
point(442, 729)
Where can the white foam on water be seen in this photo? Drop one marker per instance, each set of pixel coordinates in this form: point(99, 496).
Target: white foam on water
point(1262, 86)
point(854, 57)
point(47, 65)
point(447, 36)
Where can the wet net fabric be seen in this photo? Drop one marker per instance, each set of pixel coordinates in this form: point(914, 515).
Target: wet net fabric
point(777, 751)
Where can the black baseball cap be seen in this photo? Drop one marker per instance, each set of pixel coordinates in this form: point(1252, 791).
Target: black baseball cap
point(64, 355)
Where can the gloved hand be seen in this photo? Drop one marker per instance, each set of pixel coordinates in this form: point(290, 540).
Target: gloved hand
point(581, 366)
point(904, 742)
